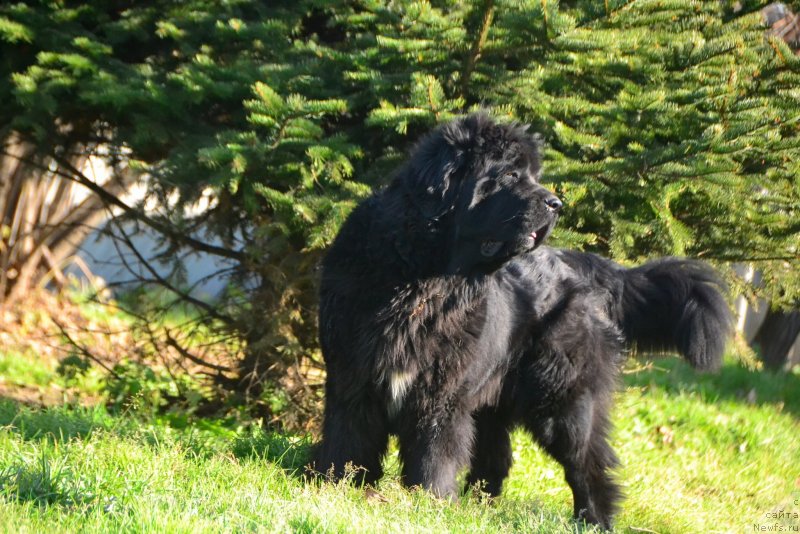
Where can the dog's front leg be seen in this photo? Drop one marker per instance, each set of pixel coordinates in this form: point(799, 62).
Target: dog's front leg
point(435, 445)
point(355, 434)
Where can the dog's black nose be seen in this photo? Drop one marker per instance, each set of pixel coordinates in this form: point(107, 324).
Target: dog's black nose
point(553, 203)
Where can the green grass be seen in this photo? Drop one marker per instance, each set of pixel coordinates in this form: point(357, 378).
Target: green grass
point(700, 453)
point(25, 370)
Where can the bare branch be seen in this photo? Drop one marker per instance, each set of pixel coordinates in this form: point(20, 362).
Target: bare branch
point(210, 310)
point(172, 342)
point(83, 349)
point(77, 176)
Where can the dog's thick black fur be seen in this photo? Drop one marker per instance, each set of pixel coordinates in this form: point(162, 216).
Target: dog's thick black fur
point(444, 321)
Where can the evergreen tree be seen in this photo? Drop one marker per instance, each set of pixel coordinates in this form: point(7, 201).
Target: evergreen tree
point(671, 125)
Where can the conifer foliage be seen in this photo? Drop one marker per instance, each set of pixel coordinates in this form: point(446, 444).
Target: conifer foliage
point(671, 126)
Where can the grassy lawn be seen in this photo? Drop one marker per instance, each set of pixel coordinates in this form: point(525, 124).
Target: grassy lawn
point(712, 453)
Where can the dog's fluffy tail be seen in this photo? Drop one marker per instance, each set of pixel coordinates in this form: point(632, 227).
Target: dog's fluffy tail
point(674, 304)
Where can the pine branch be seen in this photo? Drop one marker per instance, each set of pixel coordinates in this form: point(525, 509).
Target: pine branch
point(477, 47)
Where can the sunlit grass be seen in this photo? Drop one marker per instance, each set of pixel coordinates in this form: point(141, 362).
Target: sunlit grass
point(700, 453)
point(25, 370)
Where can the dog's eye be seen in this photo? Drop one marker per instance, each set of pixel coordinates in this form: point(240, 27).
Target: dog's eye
point(511, 175)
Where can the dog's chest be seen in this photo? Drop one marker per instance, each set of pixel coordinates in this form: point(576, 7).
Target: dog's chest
point(438, 338)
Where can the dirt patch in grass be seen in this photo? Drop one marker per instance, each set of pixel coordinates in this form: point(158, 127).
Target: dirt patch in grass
point(45, 396)
point(41, 322)
point(34, 340)
point(47, 339)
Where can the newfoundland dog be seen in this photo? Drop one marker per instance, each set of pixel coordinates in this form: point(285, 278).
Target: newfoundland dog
point(444, 320)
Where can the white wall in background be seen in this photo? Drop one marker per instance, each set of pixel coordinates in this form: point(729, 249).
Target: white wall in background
point(99, 255)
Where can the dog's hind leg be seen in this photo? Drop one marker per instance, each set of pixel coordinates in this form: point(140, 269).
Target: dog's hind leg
point(491, 453)
point(578, 438)
point(355, 437)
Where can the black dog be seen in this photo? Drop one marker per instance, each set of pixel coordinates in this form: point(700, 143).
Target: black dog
point(444, 321)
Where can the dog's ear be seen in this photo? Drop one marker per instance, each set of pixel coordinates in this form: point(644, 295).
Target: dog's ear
point(435, 170)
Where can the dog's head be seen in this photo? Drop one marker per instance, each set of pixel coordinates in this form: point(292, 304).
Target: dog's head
point(477, 181)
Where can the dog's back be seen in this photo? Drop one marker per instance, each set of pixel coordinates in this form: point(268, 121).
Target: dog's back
point(669, 304)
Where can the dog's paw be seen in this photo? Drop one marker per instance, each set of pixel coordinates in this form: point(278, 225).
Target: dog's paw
point(589, 518)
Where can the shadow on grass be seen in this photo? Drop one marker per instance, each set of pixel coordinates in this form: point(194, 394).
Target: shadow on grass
point(45, 481)
point(289, 453)
point(733, 382)
point(200, 438)
point(45, 477)
point(55, 423)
